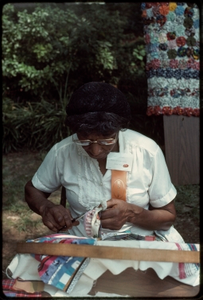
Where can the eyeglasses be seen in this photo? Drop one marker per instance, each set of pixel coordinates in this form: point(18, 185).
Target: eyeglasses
point(102, 142)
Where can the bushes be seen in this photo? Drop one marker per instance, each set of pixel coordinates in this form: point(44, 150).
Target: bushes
point(49, 50)
point(88, 42)
point(34, 126)
point(36, 53)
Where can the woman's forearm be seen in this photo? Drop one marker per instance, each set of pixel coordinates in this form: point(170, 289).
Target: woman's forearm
point(36, 200)
point(54, 216)
point(119, 212)
point(152, 219)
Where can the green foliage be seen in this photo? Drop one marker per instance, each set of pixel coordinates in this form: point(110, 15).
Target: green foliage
point(49, 50)
point(36, 125)
point(35, 53)
point(89, 41)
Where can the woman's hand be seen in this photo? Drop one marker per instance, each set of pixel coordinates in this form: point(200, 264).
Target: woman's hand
point(56, 217)
point(115, 216)
point(119, 212)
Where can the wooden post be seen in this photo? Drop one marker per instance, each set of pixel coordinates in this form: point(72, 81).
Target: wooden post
point(182, 143)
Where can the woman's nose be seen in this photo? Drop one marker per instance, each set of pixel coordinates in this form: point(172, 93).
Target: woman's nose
point(95, 149)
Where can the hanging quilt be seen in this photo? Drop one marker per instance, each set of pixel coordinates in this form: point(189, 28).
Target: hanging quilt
point(171, 32)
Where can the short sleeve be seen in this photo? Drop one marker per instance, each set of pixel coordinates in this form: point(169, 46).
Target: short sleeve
point(161, 190)
point(47, 177)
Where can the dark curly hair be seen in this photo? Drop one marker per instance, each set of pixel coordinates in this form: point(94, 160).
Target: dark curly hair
point(98, 107)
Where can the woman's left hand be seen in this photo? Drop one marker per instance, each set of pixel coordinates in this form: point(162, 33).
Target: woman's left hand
point(119, 212)
point(115, 216)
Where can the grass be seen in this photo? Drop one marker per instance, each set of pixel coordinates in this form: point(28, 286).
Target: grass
point(18, 168)
point(188, 200)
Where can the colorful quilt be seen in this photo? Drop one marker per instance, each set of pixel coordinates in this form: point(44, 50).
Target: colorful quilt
point(186, 269)
point(62, 272)
point(171, 32)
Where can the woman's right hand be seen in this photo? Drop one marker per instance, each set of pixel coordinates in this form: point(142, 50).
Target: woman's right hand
point(56, 217)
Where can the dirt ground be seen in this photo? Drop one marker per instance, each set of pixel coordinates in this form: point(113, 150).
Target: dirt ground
point(20, 167)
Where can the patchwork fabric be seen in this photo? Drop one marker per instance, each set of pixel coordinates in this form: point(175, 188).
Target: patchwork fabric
point(187, 273)
point(63, 272)
point(186, 269)
point(171, 32)
point(92, 221)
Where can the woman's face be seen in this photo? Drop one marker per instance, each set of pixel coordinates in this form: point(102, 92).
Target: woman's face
point(101, 145)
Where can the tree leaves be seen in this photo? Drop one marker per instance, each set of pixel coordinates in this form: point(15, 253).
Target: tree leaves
point(50, 50)
point(87, 36)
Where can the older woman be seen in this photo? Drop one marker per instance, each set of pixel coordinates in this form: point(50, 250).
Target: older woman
point(98, 115)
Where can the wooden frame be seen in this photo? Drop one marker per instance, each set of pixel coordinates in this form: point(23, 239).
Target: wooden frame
point(182, 143)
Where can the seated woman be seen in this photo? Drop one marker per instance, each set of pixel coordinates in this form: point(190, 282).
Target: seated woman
point(120, 174)
point(119, 179)
point(98, 115)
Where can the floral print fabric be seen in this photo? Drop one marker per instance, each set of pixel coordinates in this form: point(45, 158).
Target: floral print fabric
point(171, 32)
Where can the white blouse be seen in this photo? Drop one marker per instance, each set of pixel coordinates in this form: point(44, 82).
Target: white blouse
point(69, 165)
